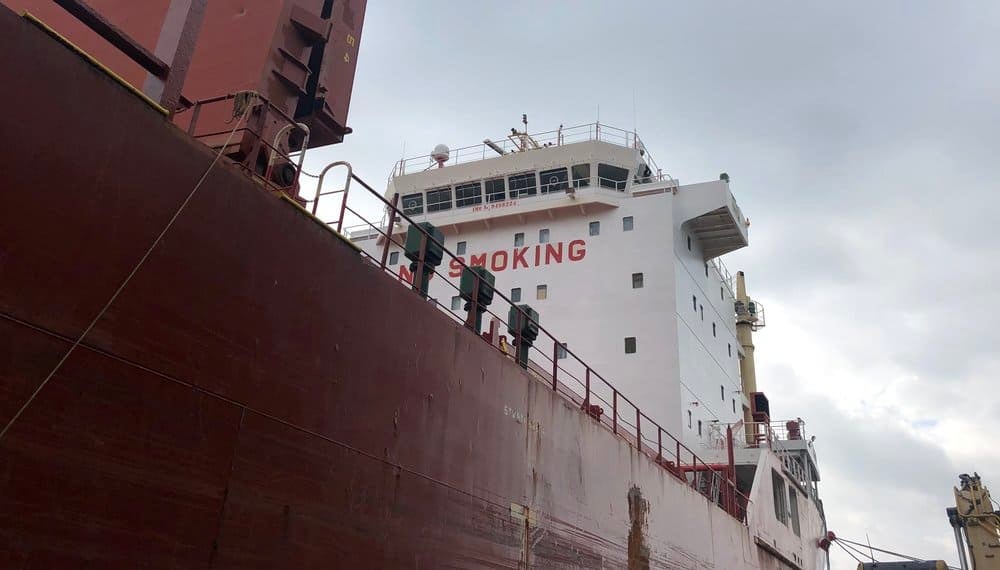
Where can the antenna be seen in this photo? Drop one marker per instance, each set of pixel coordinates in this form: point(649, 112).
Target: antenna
point(634, 126)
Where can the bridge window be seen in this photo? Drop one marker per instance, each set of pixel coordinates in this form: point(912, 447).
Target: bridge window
point(460, 248)
point(438, 200)
point(522, 185)
point(515, 295)
point(630, 345)
point(468, 194)
point(496, 191)
point(612, 176)
point(627, 224)
point(581, 175)
point(543, 236)
point(595, 228)
point(518, 239)
point(413, 204)
point(394, 258)
point(555, 180)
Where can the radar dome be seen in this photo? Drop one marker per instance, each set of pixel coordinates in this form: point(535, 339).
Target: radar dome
point(441, 153)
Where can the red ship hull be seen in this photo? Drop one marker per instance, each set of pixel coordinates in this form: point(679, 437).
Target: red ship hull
point(257, 396)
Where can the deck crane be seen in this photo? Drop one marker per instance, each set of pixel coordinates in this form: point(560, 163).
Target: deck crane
point(976, 525)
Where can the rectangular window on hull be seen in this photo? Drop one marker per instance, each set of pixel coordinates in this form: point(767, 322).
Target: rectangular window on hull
point(394, 258)
point(456, 303)
point(518, 239)
point(468, 194)
point(542, 292)
point(793, 503)
point(561, 351)
point(543, 236)
point(515, 295)
point(413, 204)
point(522, 185)
point(637, 280)
point(595, 228)
point(630, 345)
point(627, 224)
point(611, 176)
point(496, 191)
point(581, 175)
point(460, 248)
point(556, 180)
point(780, 496)
point(439, 200)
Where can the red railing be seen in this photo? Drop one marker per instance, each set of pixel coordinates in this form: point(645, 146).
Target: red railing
point(551, 361)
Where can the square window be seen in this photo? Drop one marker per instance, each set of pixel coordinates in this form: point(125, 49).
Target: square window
point(542, 292)
point(394, 258)
point(468, 194)
point(456, 302)
point(630, 345)
point(611, 176)
point(518, 239)
point(496, 190)
point(581, 175)
point(413, 204)
point(460, 248)
point(438, 200)
point(515, 295)
point(543, 236)
point(556, 180)
point(522, 185)
point(637, 280)
point(627, 224)
point(561, 351)
point(595, 228)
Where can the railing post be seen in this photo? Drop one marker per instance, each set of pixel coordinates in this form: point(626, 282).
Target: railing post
point(586, 397)
point(194, 118)
point(392, 224)
point(659, 443)
point(677, 456)
point(638, 429)
point(343, 204)
point(555, 364)
point(614, 410)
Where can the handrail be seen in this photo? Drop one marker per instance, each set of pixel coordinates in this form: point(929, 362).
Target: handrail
point(627, 420)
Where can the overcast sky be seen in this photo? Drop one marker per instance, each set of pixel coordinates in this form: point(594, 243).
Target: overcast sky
point(861, 139)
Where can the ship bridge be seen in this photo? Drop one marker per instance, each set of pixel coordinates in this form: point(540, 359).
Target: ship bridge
point(584, 168)
point(569, 171)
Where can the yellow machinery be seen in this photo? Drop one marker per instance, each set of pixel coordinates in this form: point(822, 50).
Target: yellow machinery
point(976, 525)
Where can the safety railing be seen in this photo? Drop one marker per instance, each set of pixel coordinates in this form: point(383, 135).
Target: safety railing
point(251, 117)
point(513, 143)
point(548, 359)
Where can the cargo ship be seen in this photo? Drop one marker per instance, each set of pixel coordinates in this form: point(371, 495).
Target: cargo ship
point(533, 358)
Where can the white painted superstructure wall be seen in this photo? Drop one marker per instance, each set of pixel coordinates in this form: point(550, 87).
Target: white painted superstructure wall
point(679, 365)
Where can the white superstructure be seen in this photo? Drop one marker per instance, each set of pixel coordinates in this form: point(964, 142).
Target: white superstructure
point(622, 263)
point(619, 260)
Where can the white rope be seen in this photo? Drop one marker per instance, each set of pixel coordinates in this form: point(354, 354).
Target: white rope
point(245, 112)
